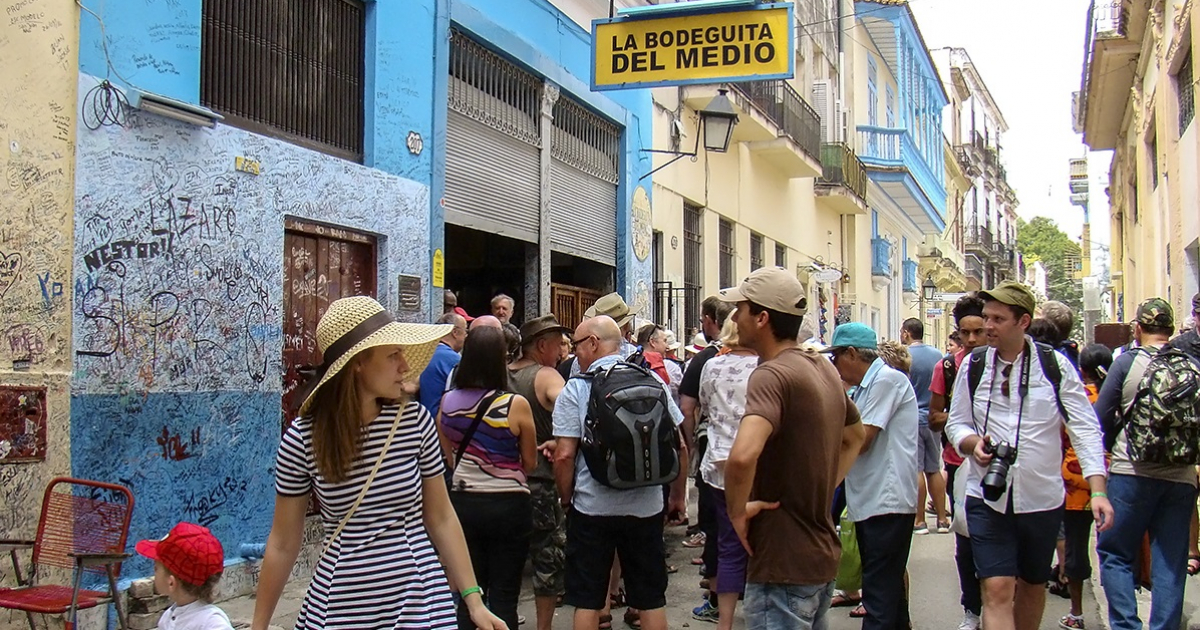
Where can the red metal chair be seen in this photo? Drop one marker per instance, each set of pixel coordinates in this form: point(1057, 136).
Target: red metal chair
point(83, 528)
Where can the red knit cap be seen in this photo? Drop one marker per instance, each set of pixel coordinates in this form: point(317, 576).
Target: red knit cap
point(190, 552)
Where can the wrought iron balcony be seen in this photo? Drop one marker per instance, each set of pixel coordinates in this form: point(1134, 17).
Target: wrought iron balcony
point(978, 238)
point(840, 166)
point(910, 277)
point(787, 109)
point(881, 257)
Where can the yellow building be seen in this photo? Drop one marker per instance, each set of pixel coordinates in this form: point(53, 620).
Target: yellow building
point(1138, 99)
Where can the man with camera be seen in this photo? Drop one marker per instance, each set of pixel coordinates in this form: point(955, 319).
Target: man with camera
point(1009, 405)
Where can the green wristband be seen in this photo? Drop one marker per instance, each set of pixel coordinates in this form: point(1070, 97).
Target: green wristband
point(471, 591)
point(1099, 494)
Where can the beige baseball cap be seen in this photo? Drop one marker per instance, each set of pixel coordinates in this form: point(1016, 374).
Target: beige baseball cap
point(770, 287)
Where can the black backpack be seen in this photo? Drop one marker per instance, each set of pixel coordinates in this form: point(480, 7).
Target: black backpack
point(1046, 358)
point(629, 438)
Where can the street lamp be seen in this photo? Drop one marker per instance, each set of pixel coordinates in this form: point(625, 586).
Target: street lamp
point(928, 289)
point(717, 120)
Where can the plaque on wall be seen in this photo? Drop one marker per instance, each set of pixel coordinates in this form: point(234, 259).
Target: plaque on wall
point(22, 424)
point(409, 294)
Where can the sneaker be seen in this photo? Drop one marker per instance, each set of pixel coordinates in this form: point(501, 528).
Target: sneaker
point(696, 540)
point(970, 621)
point(921, 530)
point(706, 612)
point(1071, 622)
point(943, 527)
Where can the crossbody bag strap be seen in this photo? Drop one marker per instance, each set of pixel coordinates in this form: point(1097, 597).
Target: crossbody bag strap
point(367, 486)
point(484, 404)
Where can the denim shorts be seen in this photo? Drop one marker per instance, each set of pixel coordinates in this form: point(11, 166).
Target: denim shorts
point(788, 606)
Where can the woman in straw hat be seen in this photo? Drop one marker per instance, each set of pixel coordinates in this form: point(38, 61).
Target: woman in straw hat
point(371, 457)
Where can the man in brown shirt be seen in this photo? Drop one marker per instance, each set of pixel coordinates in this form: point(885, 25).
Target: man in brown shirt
point(798, 438)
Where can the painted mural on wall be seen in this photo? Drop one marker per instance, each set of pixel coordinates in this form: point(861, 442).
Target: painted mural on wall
point(178, 307)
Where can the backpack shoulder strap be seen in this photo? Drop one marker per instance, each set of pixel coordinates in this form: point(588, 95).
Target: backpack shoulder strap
point(1133, 380)
point(1053, 374)
point(975, 370)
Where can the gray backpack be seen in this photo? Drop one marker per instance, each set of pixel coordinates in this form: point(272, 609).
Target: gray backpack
point(1162, 421)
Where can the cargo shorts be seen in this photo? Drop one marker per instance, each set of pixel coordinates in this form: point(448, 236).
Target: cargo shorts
point(547, 545)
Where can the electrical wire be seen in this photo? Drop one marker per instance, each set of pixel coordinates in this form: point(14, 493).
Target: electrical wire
point(107, 105)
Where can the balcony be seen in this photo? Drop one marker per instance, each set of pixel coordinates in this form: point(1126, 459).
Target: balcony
point(842, 186)
point(978, 239)
point(1111, 48)
point(776, 124)
point(914, 181)
point(881, 263)
point(975, 274)
point(910, 277)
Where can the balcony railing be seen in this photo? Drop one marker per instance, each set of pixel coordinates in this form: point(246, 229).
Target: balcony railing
point(910, 276)
point(841, 166)
point(1106, 20)
point(895, 147)
point(780, 102)
point(881, 257)
point(978, 238)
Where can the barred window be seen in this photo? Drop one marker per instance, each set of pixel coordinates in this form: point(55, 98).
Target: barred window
point(290, 69)
point(693, 257)
point(725, 260)
point(756, 251)
point(1187, 93)
point(781, 255)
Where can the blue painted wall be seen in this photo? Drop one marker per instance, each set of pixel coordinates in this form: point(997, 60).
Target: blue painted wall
point(154, 46)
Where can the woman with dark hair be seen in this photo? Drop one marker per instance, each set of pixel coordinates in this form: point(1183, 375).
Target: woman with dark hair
point(1044, 331)
point(490, 443)
point(370, 456)
point(1094, 362)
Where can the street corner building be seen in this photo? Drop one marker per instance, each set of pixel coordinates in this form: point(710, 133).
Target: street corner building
point(191, 183)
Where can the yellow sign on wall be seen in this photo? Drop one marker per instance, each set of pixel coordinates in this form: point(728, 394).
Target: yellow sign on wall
point(439, 269)
point(697, 48)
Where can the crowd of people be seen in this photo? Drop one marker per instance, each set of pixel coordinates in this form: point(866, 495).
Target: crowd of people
point(446, 457)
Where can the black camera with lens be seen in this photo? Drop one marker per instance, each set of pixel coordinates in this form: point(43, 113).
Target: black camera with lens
point(995, 479)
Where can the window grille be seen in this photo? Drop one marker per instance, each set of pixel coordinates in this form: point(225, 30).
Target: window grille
point(756, 251)
point(693, 259)
point(493, 90)
point(780, 255)
point(585, 140)
point(1152, 158)
point(291, 69)
point(725, 260)
point(1187, 93)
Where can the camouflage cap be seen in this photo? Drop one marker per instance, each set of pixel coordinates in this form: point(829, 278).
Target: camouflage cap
point(1196, 303)
point(1155, 312)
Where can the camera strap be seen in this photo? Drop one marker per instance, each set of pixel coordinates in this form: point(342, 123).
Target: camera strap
point(1022, 392)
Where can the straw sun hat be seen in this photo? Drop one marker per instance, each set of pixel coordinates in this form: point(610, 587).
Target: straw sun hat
point(354, 324)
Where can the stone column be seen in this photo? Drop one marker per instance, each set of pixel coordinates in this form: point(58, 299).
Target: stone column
point(542, 261)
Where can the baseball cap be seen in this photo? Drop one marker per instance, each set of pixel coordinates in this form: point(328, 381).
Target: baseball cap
point(1155, 312)
point(190, 552)
point(458, 310)
point(853, 335)
point(1012, 293)
point(770, 287)
point(1196, 303)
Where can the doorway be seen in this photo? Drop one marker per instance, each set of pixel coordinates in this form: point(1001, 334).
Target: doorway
point(480, 265)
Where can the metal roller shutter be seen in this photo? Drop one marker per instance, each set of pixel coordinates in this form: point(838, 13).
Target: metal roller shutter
point(583, 211)
point(492, 180)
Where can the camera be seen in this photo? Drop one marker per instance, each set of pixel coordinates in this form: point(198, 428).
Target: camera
point(995, 479)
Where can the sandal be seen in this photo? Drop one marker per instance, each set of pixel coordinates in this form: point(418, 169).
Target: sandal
point(605, 622)
point(1193, 564)
point(842, 600)
point(859, 612)
point(633, 618)
point(617, 600)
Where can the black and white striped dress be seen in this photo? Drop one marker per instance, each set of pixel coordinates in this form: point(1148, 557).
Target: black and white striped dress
point(382, 571)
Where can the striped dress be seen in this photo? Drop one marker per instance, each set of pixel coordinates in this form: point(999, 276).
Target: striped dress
point(382, 572)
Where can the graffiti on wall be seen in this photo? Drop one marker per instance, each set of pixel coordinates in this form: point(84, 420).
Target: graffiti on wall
point(178, 308)
point(22, 424)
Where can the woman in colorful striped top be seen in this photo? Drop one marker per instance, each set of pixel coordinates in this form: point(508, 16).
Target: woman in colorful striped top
point(488, 485)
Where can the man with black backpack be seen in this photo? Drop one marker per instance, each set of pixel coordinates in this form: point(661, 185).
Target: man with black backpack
point(1148, 407)
point(1008, 407)
point(618, 443)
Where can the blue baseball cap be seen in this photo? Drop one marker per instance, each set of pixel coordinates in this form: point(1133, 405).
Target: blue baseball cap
point(853, 335)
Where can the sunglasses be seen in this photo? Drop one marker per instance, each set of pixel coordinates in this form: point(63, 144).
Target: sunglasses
point(1006, 372)
point(575, 342)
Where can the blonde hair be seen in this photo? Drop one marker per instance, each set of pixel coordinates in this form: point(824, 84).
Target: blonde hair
point(729, 334)
point(896, 355)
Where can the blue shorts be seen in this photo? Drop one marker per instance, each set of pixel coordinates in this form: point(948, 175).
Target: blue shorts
point(1010, 544)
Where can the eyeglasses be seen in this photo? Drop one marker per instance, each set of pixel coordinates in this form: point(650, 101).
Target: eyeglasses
point(1006, 372)
point(575, 342)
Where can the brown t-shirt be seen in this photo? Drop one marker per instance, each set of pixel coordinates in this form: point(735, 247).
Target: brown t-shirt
point(801, 395)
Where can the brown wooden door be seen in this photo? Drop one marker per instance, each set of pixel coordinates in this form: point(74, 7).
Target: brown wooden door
point(569, 303)
point(320, 265)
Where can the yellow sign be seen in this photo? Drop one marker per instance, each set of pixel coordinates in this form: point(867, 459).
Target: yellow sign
point(439, 268)
point(698, 48)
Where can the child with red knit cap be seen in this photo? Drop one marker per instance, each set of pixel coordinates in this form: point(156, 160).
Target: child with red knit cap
point(187, 566)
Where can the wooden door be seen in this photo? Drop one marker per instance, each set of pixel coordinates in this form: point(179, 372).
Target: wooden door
point(568, 303)
point(321, 264)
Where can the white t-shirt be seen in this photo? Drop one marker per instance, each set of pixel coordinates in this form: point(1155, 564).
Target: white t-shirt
point(198, 615)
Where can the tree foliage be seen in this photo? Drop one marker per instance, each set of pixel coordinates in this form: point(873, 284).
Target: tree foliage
point(1040, 239)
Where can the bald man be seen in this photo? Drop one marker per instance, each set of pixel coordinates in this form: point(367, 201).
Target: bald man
point(486, 320)
point(604, 520)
